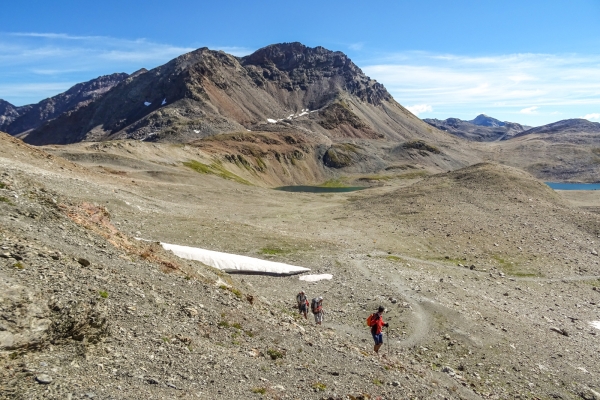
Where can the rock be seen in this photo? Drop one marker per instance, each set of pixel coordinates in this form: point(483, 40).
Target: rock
point(83, 262)
point(394, 301)
point(594, 252)
point(191, 312)
point(589, 394)
point(561, 331)
point(395, 383)
point(152, 381)
point(449, 371)
point(44, 379)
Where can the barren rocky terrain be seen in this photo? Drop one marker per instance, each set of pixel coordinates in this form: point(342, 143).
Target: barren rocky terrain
point(490, 279)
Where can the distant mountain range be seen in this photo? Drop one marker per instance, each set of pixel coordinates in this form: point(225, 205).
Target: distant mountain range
point(482, 129)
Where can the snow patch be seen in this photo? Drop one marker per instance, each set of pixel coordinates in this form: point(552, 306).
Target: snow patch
point(232, 262)
point(315, 278)
point(147, 103)
point(271, 121)
point(595, 324)
point(164, 102)
point(196, 131)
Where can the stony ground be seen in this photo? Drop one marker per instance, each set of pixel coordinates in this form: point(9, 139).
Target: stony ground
point(490, 281)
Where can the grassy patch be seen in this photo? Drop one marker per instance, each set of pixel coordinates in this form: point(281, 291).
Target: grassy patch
point(259, 390)
point(321, 387)
point(394, 258)
point(275, 354)
point(377, 382)
point(19, 265)
point(271, 251)
point(2, 185)
point(5, 200)
point(215, 168)
point(334, 183)
point(512, 268)
point(224, 324)
point(413, 175)
point(103, 294)
point(421, 145)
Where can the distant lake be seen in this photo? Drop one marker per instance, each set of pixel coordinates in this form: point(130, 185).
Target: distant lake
point(573, 186)
point(319, 189)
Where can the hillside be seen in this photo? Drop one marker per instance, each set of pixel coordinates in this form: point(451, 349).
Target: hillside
point(35, 115)
point(481, 129)
point(476, 267)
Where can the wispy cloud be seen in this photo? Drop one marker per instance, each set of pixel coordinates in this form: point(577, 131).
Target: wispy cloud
point(529, 110)
point(500, 84)
point(356, 46)
point(419, 109)
point(30, 60)
point(591, 116)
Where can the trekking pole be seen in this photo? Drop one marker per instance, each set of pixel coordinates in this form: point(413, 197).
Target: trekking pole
point(387, 334)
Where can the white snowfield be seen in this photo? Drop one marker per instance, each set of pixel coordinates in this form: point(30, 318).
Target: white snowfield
point(595, 324)
point(232, 262)
point(147, 103)
point(315, 278)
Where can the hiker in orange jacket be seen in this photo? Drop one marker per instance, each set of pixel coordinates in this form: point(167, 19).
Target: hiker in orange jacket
point(376, 324)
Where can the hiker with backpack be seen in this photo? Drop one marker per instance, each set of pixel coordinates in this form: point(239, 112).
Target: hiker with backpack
point(316, 307)
point(376, 322)
point(302, 303)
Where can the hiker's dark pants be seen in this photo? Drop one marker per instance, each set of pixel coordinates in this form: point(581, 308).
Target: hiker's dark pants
point(378, 338)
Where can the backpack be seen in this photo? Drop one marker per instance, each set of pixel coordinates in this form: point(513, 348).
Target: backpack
point(371, 319)
point(314, 306)
point(301, 299)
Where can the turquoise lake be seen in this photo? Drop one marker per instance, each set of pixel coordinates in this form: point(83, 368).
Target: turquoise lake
point(573, 186)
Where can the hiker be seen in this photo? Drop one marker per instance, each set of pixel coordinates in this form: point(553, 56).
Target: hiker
point(316, 307)
point(376, 322)
point(302, 303)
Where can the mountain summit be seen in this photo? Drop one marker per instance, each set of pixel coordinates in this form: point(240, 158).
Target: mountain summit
point(206, 92)
point(484, 120)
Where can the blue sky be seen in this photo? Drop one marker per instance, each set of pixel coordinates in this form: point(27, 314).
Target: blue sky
point(532, 62)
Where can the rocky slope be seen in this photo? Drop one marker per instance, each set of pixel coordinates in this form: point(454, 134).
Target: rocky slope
point(35, 115)
point(482, 129)
point(477, 267)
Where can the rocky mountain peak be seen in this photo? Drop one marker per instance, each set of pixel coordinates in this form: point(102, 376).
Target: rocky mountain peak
point(485, 120)
point(8, 113)
point(295, 66)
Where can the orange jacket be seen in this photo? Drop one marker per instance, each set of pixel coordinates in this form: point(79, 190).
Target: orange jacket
point(377, 324)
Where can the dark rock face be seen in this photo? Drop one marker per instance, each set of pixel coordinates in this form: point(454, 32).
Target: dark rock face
point(76, 97)
point(8, 113)
point(481, 129)
point(294, 66)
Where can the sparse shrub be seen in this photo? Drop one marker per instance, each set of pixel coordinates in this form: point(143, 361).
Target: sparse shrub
point(2, 185)
point(259, 390)
point(321, 387)
point(103, 294)
point(249, 333)
point(5, 200)
point(275, 354)
point(237, 325)
point(377, 382)
point(224, 324)
point(19, 265)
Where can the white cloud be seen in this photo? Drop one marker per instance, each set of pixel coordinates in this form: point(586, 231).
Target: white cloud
point(500, 84)
point(31, 59)
point(419, 109)
point(529, 110)
point(356, 46)
point(591, 116)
